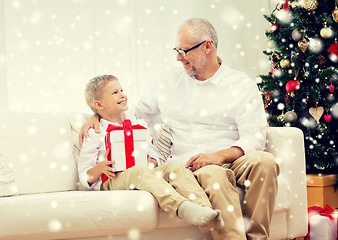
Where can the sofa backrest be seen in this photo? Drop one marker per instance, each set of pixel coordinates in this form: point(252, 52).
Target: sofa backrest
point(39, 149)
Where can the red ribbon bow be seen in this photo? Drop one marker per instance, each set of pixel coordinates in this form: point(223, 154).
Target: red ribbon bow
point(127, 128)
point(326, 211)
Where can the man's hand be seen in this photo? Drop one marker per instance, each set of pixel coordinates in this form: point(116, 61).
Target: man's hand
point(219, 158)
point(93, 122)
point(203, 159)
point(152, 163)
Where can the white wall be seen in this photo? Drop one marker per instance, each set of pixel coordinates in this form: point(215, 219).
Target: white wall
point(3, 75)
point(52, 48)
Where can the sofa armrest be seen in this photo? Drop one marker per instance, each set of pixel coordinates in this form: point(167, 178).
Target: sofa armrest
point(287, 144)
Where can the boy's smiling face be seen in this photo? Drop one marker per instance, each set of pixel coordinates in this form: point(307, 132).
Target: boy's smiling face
point(113, 100)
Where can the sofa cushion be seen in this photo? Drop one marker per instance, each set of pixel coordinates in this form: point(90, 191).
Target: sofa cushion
point(283, 195)
point(7, 181)
point(77, 120)
point(77, 214)
point(38, 146)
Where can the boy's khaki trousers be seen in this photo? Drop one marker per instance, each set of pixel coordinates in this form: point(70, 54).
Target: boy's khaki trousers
point(171, 184)
point(256, 172)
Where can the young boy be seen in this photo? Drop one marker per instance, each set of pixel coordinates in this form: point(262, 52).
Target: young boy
point(176, 184)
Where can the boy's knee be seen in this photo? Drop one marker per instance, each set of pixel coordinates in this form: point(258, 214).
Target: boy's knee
point(137, 175)
point(139, 170)
point(177, 166)
point(216, 174)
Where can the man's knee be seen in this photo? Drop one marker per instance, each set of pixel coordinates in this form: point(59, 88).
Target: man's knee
point(265, 161)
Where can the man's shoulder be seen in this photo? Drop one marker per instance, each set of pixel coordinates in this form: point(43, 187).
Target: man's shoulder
point(235, 76)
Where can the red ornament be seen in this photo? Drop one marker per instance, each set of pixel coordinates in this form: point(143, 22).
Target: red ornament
point(286, 5)
point(292, 85)
point(331, 88)
point(333, 49)
point(274, 27)
point(327, 117)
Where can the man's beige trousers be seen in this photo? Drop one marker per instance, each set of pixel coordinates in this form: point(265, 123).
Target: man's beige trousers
point(257, 173)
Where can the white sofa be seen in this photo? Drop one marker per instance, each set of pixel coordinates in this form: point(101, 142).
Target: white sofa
point(42, 150)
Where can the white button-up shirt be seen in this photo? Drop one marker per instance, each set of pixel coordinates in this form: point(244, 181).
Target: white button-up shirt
point(207, 116)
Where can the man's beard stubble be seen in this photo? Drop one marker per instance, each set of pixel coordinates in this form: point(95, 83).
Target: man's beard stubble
point(198, 67)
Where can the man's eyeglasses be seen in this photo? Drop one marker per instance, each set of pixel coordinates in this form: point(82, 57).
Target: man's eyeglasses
point(183, 53)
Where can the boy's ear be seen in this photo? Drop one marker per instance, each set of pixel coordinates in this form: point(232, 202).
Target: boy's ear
point(98, 105)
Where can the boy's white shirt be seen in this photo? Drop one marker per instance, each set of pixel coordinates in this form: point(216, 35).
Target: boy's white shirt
point(93, 150)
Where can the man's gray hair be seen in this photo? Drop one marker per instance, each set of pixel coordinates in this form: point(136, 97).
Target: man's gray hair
point(94, 89)
point(200, 30)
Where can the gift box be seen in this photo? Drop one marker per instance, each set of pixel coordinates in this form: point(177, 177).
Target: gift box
point(127, 144)
point(322, 223)
point(320, 190)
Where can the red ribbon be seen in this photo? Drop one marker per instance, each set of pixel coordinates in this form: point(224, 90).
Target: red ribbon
point(127, 128)
point(326, 211)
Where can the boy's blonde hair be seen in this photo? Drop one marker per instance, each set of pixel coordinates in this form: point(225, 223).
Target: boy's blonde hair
point(94, 89)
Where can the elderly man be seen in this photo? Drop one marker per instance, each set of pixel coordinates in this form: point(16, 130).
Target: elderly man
point(218, 127)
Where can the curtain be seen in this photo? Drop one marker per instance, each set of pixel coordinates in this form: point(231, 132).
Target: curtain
point(50, 49)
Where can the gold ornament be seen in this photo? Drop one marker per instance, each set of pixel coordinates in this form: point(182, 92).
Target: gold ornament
point(321, 60)
point(316, 113)
point(285, 63)
point(294, 4)
point(303, 45)
point(335, 15)
point(310, 5)
point(271, 44)
point(287, 99)
point(326, 32)
point(267, 99)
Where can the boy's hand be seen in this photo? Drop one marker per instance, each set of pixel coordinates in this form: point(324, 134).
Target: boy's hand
point(152, 163)
point(102, 167)
point(93, 122)
point(105, 165)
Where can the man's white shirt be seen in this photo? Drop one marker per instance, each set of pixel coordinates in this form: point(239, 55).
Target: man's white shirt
point(207, 116)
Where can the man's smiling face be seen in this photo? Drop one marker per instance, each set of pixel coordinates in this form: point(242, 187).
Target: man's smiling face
point(195, 61)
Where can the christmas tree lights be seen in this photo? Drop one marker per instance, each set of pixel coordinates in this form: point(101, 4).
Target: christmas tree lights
point(300, 90)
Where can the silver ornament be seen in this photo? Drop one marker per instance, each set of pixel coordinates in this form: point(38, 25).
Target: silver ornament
point(296, 35)
point(290, 116)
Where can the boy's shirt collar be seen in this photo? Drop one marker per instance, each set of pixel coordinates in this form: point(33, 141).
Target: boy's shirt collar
point(104, 124)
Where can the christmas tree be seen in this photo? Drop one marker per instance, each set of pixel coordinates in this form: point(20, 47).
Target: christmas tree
point(300, 91)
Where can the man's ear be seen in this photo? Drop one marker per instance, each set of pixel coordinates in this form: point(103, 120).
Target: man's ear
point(208, 46)
point(98, 105)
